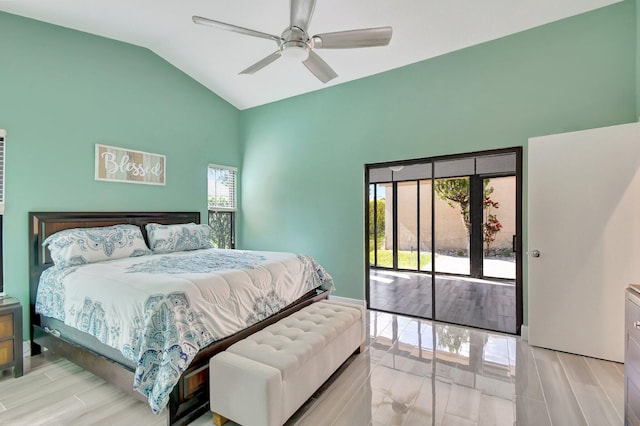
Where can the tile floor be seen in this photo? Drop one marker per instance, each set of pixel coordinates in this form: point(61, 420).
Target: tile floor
point(412, 372)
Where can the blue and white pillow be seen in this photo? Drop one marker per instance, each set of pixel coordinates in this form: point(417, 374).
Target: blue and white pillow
point(183, 237)
point(79, 246)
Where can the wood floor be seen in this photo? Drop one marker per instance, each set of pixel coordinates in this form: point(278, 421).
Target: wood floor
point(413, 372)
point(486, 304)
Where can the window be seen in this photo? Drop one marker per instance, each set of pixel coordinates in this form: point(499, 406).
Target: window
point(3, 135)
point(222, 205)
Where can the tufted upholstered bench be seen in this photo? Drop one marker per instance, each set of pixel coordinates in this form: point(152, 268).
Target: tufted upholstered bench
point(265, 378)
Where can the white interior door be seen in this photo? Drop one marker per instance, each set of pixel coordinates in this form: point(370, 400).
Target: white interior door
point(584, 219)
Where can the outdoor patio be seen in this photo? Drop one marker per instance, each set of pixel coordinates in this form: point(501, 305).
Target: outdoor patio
point(486, 304)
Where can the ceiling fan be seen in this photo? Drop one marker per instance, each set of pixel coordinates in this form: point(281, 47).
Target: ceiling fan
point(294, 41)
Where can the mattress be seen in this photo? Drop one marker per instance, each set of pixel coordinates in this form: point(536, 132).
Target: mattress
point(159, 310)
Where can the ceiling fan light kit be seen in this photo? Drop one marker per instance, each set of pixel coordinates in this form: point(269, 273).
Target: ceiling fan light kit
point(296, 53)
point(296, 45)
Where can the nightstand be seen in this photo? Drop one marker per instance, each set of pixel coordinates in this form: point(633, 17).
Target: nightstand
point(11, 335)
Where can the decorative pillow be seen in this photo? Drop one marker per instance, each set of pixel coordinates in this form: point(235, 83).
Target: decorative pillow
point(78, 246)
point(183, 237)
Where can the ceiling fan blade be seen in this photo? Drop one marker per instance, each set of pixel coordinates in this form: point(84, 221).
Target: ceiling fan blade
point(262, 63)
point(319, 67)
point(210, 22)
point(301, 11)
point(368, 37)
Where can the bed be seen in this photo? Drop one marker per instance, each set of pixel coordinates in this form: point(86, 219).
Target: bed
point(80, 309)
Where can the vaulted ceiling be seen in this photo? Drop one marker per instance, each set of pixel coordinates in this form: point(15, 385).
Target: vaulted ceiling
point(422, 29)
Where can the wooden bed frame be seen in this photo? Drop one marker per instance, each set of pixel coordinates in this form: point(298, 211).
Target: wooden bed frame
point(190, 397)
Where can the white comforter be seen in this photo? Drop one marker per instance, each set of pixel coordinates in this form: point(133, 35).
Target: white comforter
point(159, 310)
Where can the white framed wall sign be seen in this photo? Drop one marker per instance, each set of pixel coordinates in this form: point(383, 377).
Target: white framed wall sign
point(126, 165)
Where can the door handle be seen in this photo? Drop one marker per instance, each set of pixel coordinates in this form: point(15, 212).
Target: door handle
point(535, 253)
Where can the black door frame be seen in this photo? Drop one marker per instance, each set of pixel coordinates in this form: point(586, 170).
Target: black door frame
point(476, 210)
point(478, 241)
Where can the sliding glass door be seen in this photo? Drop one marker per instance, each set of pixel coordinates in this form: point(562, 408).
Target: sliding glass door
point(380, 226)
point(408, 238)
point(452, 225)
point(499, 228)
point(443, 234)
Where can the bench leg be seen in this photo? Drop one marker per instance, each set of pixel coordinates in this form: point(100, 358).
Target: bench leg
point(219, 420)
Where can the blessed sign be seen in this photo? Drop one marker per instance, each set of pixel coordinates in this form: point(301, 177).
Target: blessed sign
point(126, 165)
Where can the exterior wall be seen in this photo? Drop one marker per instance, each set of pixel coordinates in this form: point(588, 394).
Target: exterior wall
point(451, 234)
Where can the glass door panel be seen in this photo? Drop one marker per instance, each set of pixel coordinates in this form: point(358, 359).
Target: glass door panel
point(499, 227)
point(452, 225)
point(407, 193)
point(380, 231)
point(425, 225)
point(373, 225)
point(384, 247)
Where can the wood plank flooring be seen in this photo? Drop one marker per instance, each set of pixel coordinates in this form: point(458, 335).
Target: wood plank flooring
point(486, 304)
point(413, 372)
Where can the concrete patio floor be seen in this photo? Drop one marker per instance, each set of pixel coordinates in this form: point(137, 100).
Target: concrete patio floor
point(487, 304)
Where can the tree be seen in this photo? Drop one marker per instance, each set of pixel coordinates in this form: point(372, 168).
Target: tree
point(220, 223)
point(456, 193)
point(491, 223)
point(379, 221)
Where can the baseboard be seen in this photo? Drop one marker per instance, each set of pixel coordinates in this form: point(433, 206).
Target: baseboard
point(348, 300)
point(524, 333)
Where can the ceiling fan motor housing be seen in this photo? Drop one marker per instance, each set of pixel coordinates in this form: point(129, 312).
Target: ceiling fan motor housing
point(295, 43)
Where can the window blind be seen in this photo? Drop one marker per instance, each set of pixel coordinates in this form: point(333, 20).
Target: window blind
point(222, 187)
point(467, 166)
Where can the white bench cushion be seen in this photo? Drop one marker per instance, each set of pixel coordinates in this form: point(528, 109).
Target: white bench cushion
point(291, 342)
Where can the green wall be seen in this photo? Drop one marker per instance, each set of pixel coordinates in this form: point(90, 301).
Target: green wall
point(638, 59)
point(63, 91)
point(303, 161)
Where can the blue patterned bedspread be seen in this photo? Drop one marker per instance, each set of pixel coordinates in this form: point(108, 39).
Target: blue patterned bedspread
point(160, 310)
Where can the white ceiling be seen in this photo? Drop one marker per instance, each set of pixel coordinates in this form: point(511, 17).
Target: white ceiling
point(422, 29)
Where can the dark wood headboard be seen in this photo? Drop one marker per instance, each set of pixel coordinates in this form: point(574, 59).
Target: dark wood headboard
point(43, 224)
